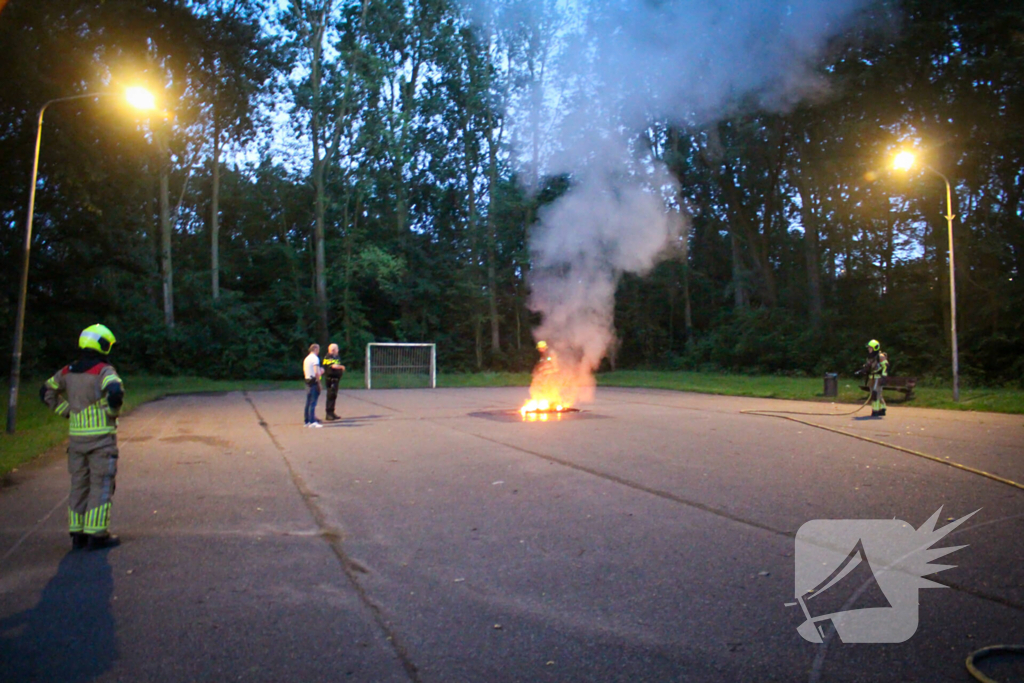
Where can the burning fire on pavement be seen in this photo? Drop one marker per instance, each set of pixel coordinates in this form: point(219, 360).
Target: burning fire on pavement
point(552, 391)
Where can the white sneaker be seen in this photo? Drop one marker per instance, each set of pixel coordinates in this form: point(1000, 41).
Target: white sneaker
point(316, 425)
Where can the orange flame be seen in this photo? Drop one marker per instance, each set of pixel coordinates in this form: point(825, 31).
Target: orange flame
point(552, 390)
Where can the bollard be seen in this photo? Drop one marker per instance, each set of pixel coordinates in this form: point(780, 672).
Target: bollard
point(831, 384)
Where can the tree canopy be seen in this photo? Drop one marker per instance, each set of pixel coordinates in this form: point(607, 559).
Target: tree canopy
point(373, 170)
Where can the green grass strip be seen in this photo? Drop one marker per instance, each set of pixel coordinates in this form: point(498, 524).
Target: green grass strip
point(1000, 400)
point(39, 429)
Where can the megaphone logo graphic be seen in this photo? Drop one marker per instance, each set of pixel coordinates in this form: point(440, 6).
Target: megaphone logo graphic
point(861, 576)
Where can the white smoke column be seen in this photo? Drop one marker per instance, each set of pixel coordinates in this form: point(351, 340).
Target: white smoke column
point(606, 226)
point(633, 63)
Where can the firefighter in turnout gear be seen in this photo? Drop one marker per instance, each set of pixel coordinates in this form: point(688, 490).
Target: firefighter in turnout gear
point(546, 377)
point(876, 369)
point(89, 394)
point(333, 370)
point(547, 364)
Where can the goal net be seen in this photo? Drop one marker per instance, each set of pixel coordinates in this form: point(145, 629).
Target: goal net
point(393, 366)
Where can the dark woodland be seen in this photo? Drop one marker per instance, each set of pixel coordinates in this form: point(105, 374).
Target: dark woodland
point(356, 171)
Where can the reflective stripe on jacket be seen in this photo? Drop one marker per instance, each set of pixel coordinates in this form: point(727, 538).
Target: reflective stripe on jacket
point(878, 368)
point(332, 367)
point(79, 392)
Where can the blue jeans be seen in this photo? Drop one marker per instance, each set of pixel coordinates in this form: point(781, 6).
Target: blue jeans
point(312, 396)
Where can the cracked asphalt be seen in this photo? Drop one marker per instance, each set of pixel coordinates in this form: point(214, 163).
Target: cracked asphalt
point(431, 536)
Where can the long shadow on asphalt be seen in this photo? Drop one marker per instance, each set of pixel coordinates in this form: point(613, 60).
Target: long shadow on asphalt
point(354, 421)
point(69, 636)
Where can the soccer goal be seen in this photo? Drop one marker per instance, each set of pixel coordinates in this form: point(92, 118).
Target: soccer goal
point(391, 366)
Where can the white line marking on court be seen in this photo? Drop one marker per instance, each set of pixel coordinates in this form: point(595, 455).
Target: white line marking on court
point(32, 530)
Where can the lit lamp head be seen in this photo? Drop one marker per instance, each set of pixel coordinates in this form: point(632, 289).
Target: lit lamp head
point(140, 98)
point(903, 161)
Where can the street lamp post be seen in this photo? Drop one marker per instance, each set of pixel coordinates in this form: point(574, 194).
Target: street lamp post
point(904, 160)
point(138, 98)
point(952, 285)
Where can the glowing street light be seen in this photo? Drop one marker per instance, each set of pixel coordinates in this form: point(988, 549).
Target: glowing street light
point(137, 97)
point(140, 98)
point(904, 161)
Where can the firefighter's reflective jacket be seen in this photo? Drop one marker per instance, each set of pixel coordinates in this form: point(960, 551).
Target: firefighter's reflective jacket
point(877, 366)
point(89, 393)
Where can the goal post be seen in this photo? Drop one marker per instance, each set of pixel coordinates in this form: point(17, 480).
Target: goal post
point(401, 365)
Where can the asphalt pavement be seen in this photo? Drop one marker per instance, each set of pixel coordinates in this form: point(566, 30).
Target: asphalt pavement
point(432, 535)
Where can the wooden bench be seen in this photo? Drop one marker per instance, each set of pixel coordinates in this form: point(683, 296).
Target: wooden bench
point(904, 385)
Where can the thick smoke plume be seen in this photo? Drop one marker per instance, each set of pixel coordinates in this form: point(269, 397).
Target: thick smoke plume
point(604, 227)
point(632, 64)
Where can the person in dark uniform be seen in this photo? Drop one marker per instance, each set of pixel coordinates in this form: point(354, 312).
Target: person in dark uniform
point(333, 371)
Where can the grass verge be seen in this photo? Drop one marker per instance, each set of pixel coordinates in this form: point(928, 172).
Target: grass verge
point(485, 379)
point(39, 430)
point(811, 389)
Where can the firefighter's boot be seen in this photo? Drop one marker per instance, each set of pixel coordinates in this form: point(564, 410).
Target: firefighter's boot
point(102, 541)
point(76, 528)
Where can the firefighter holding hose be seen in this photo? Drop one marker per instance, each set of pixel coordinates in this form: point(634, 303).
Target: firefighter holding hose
point(89, 394)
point(876, 369)
point(547, 365)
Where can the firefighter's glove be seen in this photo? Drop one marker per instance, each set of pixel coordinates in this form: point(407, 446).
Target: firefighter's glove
point(115, 397)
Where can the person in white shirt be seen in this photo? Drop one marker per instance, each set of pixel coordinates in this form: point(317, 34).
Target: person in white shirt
point(312, 371)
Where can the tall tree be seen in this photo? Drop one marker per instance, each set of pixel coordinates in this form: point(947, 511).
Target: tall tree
point(237, 63)
point(328, 41)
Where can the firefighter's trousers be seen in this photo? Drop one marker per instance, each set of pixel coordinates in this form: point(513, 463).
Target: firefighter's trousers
point(877, 399)
point(92, 463)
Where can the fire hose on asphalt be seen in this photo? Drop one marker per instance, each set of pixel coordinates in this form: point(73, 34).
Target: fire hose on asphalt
point(986, 652)
point(787, 415)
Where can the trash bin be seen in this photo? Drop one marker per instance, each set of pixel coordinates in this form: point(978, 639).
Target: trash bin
point(831, 384)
